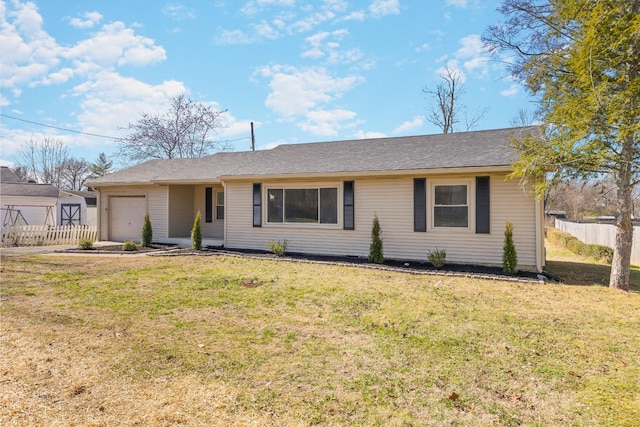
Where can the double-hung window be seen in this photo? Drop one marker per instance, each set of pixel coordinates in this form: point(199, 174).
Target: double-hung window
point(302, 205)
point(451, 206)
point(220, 205)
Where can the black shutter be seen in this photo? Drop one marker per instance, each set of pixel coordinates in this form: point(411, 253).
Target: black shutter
point(419, 204)
point(348, 204)
point(482, 204)
point(208, 204)
point(257, 205)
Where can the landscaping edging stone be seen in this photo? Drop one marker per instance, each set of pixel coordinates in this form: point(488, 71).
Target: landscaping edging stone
point(410, 267)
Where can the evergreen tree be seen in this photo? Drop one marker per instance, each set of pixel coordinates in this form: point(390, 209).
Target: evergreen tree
point(147, 232)
point(581, 59)
point(101, 167)
point(509, 255)
point(376, 254)
point(196, 234)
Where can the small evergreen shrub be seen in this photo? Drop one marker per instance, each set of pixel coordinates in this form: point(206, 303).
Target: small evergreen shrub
point(376, 254)
point(196, 234)
point(129, 246)
point(147, 232)
point(279, 248)
point(438, 257)
point(509, 255)
point(85, 244)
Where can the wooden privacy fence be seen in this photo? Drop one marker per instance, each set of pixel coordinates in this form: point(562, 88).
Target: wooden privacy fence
point(599, 234)
point(46, 235)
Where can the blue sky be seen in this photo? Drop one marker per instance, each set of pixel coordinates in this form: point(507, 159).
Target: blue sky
point(302, 71)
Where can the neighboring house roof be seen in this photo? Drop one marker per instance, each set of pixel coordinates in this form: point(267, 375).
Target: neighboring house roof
point(8, 176)
point(28, 190)
point(479, 149)
point(90, 197)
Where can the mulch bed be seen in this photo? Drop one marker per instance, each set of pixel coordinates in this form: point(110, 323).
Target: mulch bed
point(412, 267)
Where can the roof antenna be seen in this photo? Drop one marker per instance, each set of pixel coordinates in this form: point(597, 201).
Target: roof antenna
point(253, 139)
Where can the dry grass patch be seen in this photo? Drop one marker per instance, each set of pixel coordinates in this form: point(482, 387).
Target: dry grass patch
point(230, 341)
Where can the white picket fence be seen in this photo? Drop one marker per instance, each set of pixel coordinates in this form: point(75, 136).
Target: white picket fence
point(47, 235)
point(599, 234)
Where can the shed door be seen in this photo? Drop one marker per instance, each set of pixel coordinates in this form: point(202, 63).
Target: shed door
point(70, 214)
point(127, 217)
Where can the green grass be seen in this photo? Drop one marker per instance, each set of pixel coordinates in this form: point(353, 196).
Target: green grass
point(230, 341)
point(579, 270)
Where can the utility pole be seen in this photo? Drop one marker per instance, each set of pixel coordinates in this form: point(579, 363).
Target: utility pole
point(253, 139)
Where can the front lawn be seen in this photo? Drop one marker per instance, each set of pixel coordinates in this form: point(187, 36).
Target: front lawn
point(218, 340)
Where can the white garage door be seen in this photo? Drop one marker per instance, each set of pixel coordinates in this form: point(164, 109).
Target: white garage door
point(127, 217)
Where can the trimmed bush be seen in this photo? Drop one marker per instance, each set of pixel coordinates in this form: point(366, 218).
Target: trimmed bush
point(279, 248)
point(196, 234)
point(438, 257)
point(376, 254)
point(85, 244)
point(566, 240)
point(509, 254)
point(129, 246)
point(147, 232)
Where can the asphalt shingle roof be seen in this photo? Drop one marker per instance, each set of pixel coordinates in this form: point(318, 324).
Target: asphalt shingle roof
point(8, 176)
point(442, 151)
point(28, 190)
point(12, 185)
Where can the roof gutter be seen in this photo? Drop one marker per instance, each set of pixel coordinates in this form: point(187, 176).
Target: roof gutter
point(375, 174)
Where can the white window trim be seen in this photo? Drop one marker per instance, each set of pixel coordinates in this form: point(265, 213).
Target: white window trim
point(318, 186)
point(471, 204)
point(215, 204)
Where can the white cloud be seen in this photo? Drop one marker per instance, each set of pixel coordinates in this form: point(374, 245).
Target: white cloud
point(369, 135)
point(254, 7)
point(310, 22)
point(474, 55)
point(336, 5)
point(326, 45)
point(326, 122)
point(90, 19)
point(458, 3)
point(178, 11)
point(27, 51)
point(109, 101)
point(512, 91)
point(264, 30)
point(231, 37)
point(409, 125)
point(117, 44)
point(354, 16)
point(380, 8)
point(296, 92)
point(422, 47)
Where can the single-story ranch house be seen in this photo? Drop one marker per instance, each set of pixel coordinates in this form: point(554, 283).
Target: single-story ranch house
point(446, 191)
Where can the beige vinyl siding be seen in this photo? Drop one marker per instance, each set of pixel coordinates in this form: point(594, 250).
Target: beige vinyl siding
point(181, 212)
point(157, 207)
point(214, 229)
point(392, 200)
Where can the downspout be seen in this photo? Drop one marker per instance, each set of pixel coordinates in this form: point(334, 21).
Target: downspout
point(226, 210)
point(539, 219)
point(98, 214)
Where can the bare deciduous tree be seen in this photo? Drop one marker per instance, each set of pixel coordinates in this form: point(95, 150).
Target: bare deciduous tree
point(50, 162)
point(185, 130)
point(75, 173)
point(448, 110)
point(44, 161)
